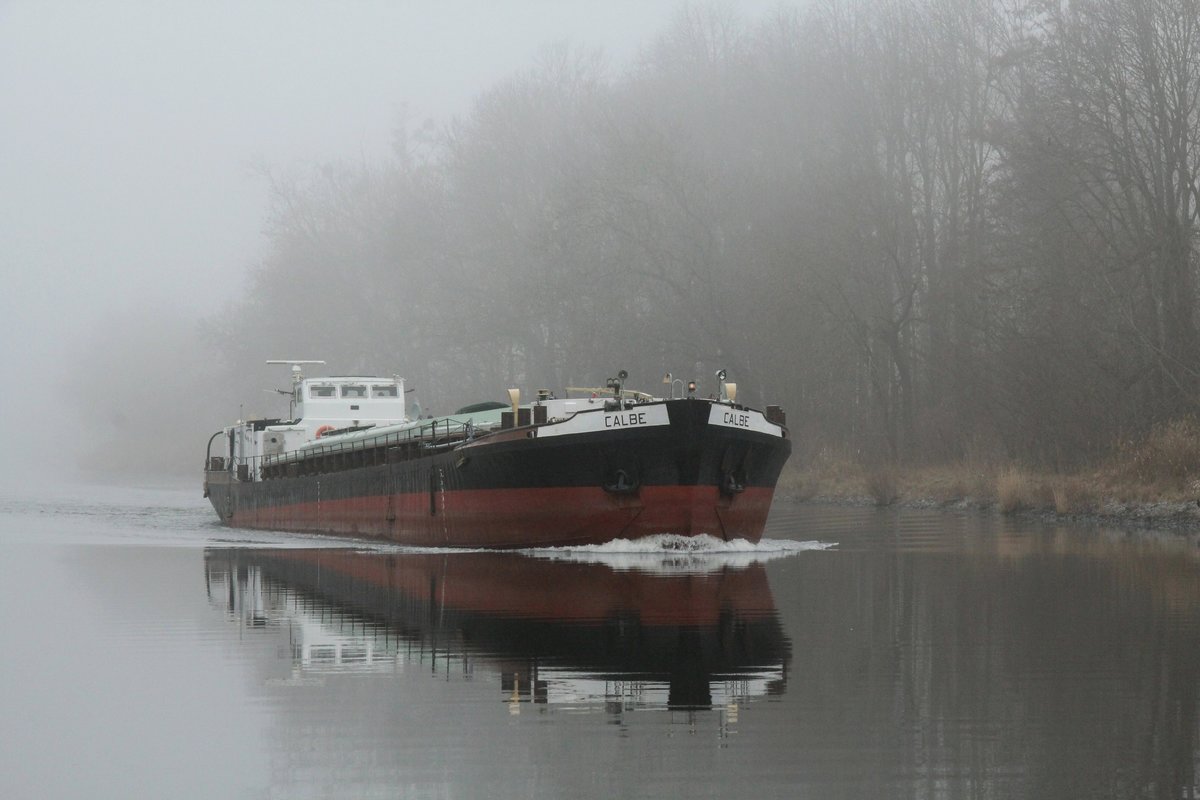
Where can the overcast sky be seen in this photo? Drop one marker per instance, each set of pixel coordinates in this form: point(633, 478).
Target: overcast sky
point(127, 129)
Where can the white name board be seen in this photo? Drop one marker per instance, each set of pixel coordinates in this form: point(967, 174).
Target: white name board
point(730, 417)
point(646, 416)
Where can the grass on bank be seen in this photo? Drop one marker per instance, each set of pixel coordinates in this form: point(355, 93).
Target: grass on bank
point(1164, 467)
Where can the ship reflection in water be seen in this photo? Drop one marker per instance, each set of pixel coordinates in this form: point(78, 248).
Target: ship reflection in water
point(590, 634)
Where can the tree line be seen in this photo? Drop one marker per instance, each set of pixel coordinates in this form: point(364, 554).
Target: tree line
point(931, 229)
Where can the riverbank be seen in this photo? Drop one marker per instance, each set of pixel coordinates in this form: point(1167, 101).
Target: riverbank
point(1114, 495)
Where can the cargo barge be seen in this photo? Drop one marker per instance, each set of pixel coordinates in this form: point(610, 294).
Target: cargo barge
point(584, 469)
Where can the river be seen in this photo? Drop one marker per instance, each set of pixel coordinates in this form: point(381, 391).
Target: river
point(149, 652)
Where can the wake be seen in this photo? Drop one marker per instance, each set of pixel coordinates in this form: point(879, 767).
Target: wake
point(673, 553)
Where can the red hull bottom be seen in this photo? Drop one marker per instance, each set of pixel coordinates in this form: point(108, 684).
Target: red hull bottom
point(540, 517)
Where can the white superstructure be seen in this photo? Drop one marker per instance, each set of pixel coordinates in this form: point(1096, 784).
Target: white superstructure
point(318, 407)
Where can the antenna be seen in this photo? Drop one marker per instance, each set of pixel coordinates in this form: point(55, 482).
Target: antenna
point(296, 365)
point(296, 378)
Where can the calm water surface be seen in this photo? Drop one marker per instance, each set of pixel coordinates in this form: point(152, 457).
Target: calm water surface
point(148, 652)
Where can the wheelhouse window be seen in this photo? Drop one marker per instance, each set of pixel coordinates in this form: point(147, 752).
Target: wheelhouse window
point(384, 391)
point(322, 391)
point(354, 390)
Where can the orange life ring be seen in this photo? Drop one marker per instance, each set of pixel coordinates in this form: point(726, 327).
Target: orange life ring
point(324, 429)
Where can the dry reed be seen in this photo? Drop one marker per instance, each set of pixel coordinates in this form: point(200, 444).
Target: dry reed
point(883, 483)
point(1018, 490)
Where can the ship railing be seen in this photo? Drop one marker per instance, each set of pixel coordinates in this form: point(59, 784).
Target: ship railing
point(383, 448)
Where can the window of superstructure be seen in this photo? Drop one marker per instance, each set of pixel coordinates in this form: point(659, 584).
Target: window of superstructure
point(354, 390)
point(322, 391)
point(388, 390)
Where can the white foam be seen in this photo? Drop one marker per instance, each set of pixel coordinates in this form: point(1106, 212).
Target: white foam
point(670, 553)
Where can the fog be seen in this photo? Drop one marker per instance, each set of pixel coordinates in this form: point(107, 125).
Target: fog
point(935, 231)
point(133, 140)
